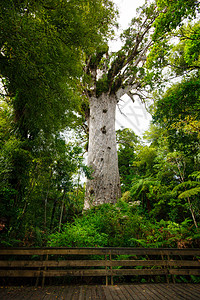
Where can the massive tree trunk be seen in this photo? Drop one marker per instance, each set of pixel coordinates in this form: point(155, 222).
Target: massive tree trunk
point(104, 187)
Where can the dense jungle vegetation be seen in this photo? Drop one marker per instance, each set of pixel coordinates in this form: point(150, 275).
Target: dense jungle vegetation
point(43, 138)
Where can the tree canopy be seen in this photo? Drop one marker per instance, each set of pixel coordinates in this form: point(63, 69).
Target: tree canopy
point(43, 44)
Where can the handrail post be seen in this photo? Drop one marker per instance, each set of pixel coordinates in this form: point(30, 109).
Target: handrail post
point(173, 279)
point(165, 267)
point(106, 270)
point(38, 277)
point(45, 268)
point(110, 258)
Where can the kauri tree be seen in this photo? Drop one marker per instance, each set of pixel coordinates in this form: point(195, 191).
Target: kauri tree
point(109, 76)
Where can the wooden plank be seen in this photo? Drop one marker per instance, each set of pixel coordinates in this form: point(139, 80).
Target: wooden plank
point(87, 293)
point(115, 292)
point(163, 294)
point(157, 251)
point(20, 273)
point(139, 292)
point(94, 272)
point(108, 293)
point(196, 286)
point(126, 293)
point(97, 272)
point(106, 261)
point(183, 292)
point(98, 263)
point(51, 292)
point(53, 263)
point(121, 272)
point(19, 293)
point(26, 293)
point(77, 292)
point(151, 292)
point(67, 292)
point(132, 263)
point(164, 291)
point(111, 277)
point(184, 271)
point(56, 251)
point(52, 273)
point(38, 293)
point(11, 293)
point(172, 290)
point(194, 292)
point(43, 273)
point(84, 272)
point(136, 290)
point(100, 293)
point(193, 289)
point(93, 292)
point(99, 251)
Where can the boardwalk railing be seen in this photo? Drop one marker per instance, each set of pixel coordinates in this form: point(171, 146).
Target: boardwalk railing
point(108, 262)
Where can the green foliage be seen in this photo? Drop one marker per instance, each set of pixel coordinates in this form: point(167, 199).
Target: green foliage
point(126, 196)
point(176, 12)
point(145, 159)
point(50, 52)
point(166, 57)
point(32, 183)
point(184, 56)
point(78, 235)
point(178, 102)
point(190, 193)
point(164, 234)
point(191, 49)
point(106, 225)
point(102, 85)
point(42, 51)
point(177, 111)
point(121, 226)
point(195, 279)
point(127, 142)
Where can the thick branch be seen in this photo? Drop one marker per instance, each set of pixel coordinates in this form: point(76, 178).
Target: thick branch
point(139, 39)
point(123, 91)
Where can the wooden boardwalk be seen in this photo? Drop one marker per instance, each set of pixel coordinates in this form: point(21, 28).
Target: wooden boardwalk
point(100, 292)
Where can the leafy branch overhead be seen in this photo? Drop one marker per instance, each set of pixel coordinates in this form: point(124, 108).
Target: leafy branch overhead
point(42, 46)
point(125, 70)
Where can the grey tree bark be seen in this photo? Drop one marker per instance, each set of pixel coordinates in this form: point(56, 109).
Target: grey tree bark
point(102, 152)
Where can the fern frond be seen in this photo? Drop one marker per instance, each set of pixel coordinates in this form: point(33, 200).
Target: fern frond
point(189, 193)
point(195, 174)
point(186, 185)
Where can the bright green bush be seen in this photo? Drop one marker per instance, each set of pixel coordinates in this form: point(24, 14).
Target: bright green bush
point(120, 225)
point(77, 235)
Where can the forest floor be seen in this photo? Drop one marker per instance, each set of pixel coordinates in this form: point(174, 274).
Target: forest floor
point(116, 292)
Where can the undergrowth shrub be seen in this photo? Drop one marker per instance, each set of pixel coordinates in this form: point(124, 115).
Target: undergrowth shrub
point(121, 225)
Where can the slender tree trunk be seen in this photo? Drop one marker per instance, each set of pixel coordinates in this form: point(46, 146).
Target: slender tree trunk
point(181, 173)
point(192, 213)
point(104, 187)
point(46, 201)
point(53, 213)
point(61, 212)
